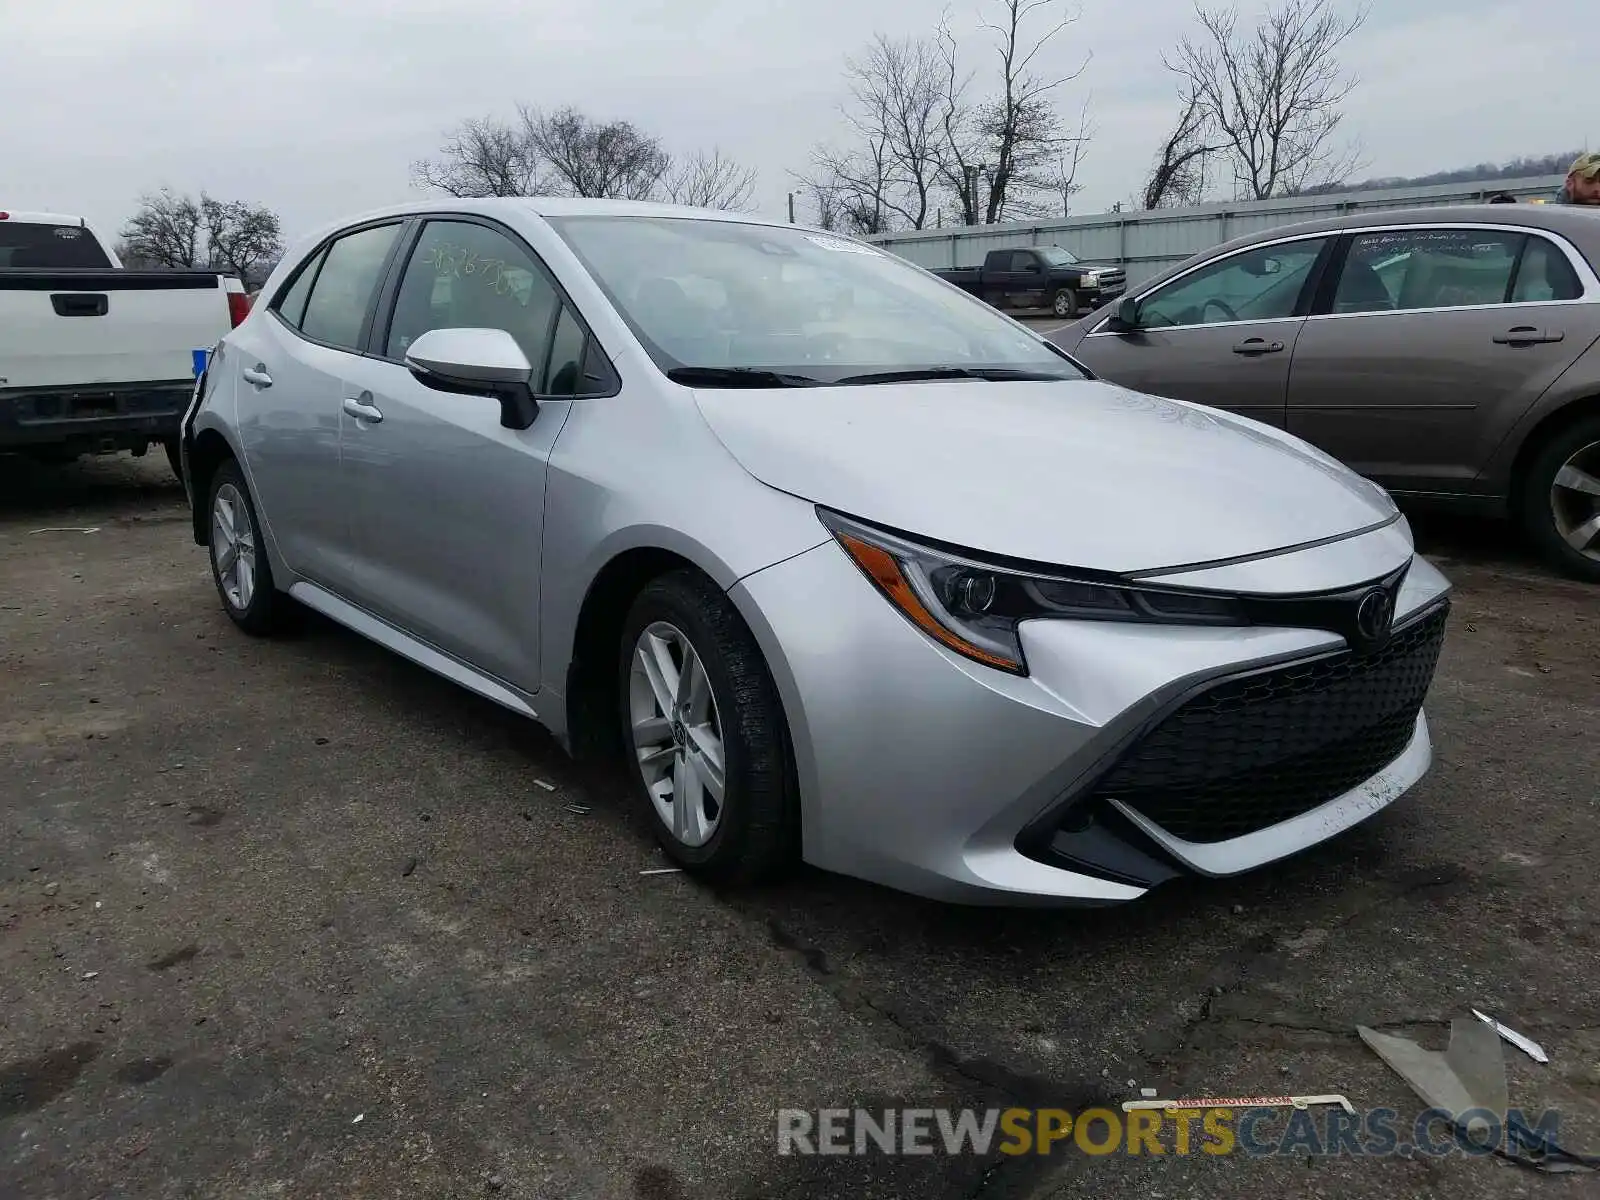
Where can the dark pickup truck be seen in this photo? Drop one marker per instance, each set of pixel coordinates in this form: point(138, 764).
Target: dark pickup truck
point(1041, 277)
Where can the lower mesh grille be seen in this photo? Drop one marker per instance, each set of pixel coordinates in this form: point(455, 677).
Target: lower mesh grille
point(1254, 751)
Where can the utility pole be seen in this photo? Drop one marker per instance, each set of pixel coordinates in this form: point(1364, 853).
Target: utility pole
point(791, 208)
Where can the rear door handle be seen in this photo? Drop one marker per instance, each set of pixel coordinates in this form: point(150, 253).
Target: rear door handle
point(361, 410)
point(1257, 345)
point(1527, 335)
point(256, 376)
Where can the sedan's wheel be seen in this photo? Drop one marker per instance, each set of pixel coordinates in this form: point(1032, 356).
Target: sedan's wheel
point(1065, 303)
point(677, 734)
point(705, 732)
point(1561, 499)
point(238, 563)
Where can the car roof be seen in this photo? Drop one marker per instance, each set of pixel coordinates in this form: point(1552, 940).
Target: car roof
point(546, 206)
point(40, 218)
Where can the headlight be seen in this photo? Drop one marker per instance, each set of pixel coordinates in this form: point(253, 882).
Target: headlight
point(1088, 279)
point(974, 608)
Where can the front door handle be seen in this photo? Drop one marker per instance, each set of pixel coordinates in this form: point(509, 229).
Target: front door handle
point(1257, 345)
point(257, 376)
point(1527, 335)
point(361, 410)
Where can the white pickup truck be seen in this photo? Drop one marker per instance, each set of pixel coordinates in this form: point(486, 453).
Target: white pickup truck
point(95, 358)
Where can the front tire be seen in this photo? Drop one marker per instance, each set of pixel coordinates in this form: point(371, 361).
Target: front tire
point(239, 565)
point(1560, 500)
point(704, 732)
point(1065, 303)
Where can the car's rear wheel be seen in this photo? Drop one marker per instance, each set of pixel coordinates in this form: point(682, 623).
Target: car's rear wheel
point(704, 732)
point(1065, 303)
point(239, 565)
point(1560, 499)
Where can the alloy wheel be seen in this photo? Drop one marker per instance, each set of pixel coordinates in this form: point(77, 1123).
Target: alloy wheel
point(233, 546)
point(1575, 501)
point(677, 733)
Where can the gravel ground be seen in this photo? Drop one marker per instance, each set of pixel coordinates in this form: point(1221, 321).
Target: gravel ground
point(297, 919)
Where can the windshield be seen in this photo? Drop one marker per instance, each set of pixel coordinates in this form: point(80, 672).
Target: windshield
point(25, 245)
point(1057, 257)
point(713, 298)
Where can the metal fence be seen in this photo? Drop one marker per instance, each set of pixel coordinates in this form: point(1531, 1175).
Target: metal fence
point(1146, 243)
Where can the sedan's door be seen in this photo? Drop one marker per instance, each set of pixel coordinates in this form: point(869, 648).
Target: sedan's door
point(448, 503)
point(290, 365)
point(1220, 334)
point(1436, 340)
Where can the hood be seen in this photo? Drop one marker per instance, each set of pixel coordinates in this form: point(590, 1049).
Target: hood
point(1078, 473)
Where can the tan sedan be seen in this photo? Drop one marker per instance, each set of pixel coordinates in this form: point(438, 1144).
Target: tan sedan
point(1448, 353)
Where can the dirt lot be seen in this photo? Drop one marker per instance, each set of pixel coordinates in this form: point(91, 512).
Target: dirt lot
point(298, 919)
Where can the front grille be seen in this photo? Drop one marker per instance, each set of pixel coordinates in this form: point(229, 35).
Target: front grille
point(1263, 748)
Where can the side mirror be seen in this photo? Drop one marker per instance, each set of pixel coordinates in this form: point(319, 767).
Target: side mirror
point(1127, 314)
point(477, 362)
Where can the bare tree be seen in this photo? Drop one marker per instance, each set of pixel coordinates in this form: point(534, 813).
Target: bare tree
point(709, 181)
point(165, 231)
point(896, 89)
point(822, 197)
point(1273, 94)
point(482, 157)
point(860, 183)
point(568, 153)
point(245, 239)
point(1060, 177)
point(1179, 175)
point(999, 154)
point(612, 159)
point(1020, 124)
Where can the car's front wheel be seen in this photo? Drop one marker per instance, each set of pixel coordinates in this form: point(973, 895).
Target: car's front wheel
point(239, 565)
point(1561, 499)
point(705, 734)
point(1065, 303)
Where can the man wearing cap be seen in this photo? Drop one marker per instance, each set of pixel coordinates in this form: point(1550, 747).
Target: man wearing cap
point(1583, 181)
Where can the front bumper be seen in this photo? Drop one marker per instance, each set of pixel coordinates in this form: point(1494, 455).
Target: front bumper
point(926, 772)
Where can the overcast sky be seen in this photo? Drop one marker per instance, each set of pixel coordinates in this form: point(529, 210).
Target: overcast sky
point(317, 109)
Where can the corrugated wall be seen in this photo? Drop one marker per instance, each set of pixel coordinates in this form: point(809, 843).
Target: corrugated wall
point(1145, 243)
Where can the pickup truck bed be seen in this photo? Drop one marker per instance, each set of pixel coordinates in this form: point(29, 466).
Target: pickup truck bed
point(101, 358)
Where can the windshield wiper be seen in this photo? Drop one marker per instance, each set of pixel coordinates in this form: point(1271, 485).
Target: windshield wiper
point(993, 374)
point(738, 377)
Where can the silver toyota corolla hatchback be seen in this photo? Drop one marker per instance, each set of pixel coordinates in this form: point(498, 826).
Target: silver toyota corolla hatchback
point(848, 566)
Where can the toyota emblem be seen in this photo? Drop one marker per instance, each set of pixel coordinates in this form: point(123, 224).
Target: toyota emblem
point(1374, 615)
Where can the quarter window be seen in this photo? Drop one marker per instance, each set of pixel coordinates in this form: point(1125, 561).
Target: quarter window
point(1398, 269)
point(291, 304)
point(1253, 285)
point(1545, 273)
point(342, 292)
point(463, 275)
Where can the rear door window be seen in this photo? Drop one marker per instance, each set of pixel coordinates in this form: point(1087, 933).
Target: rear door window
point(1400, 269)
point(336, 311)
point(29, 246)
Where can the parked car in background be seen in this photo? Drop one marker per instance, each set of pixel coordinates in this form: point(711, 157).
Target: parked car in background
point(1041, 277)
point(95, 358)
point(1449, 354)
point(844, 564)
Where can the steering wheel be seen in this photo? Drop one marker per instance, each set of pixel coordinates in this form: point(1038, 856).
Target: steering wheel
point(1227, 309)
